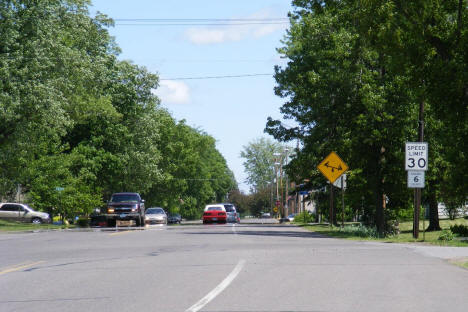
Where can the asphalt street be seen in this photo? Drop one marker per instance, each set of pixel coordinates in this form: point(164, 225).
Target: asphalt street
point(243, 267)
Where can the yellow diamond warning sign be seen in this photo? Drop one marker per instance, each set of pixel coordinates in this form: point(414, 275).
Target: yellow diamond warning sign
point(332, 167)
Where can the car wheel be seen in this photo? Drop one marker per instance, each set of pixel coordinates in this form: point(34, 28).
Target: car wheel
point(36, 221)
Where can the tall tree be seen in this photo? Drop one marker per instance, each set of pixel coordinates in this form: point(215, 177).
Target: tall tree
point(259, 162)
point(357, 73)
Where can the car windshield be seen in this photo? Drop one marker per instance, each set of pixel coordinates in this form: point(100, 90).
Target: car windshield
point(215, 208)
point(120, 198)
point(154, 211)
point(229, 208)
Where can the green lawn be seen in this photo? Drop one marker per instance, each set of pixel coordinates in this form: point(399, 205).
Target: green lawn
point(405, 236)
point(7, 226)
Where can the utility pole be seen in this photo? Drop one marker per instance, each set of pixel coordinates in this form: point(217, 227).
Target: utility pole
point(281, 210)
point(417, 191)
point(286, 206)
point(276, 180)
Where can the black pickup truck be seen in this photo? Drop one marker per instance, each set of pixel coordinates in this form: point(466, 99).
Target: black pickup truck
point(125, 207)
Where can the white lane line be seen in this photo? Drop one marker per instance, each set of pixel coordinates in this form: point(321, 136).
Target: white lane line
point(216, 291)
point(233, 228)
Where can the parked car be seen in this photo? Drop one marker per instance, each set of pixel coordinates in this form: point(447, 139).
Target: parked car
point(232, 215)
point(174, 218)
point(214, 213)
point(266, 215)
point(125, 207)
point(155, 215)
point(289, 218)
point(292, 216)
point(22, 212)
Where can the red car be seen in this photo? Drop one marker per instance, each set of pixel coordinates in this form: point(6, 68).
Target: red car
point(214, 213)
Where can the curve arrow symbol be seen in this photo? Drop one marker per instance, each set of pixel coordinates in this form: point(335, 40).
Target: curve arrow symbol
point(339, 168)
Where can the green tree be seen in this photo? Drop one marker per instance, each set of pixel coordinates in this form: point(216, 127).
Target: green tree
point(340, 94)
point(73, 116)
point(357, 73)
point(194, 173)
point(259, 162)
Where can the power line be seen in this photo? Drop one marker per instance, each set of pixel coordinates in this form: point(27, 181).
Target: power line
point(199, 24)
point(215, 77)
point(199, 21)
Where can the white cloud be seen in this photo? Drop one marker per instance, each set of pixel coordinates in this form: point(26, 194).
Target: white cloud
point(173, 92)
point(220, 34)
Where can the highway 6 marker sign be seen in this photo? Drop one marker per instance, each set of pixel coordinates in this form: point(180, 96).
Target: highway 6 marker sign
point(415, 179)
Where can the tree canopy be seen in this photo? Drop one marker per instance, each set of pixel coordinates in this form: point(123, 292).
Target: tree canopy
point(356, 75)
point(73, 116)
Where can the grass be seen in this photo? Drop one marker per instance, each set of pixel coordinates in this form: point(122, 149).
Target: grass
point(405, 236)
point(461, 262)
point(9, 226)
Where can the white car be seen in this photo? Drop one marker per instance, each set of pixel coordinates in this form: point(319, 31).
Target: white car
point(155, 215)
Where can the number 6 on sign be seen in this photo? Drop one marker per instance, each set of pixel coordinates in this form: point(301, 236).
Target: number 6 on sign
point(415, 179)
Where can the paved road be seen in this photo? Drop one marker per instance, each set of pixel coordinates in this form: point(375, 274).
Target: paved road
point(250, 267)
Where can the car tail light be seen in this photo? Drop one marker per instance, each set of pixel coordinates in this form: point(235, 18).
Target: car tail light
point(110, 210)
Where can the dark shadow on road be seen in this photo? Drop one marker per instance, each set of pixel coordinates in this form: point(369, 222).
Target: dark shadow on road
point(268, 233)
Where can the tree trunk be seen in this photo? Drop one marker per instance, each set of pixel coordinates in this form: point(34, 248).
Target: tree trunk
point(433, 213)
point(379, 193)
point(379, 209)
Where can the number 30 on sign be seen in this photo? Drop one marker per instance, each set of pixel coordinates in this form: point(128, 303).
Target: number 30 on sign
point(416, 155)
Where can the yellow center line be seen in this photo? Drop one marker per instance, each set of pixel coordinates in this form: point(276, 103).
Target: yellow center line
point(19, 267)
point(120, 232)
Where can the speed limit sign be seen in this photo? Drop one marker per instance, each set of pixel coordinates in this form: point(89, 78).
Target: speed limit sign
point(415, 179)
point(416, 155)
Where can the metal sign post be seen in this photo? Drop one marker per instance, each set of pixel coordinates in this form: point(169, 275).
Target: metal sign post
point(332, 167)
point(342, 200)
point(416, 165)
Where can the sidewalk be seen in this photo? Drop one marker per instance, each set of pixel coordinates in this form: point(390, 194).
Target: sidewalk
point(442, 252)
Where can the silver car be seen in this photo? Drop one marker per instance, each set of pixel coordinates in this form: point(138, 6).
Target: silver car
point(22, 212)
point(155, 215)
point(232, 215)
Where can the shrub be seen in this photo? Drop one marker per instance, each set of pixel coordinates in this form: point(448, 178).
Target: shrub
point(446, 235)
point(83, 222)
point(304, 217)
point(460, 229)
point(360, 230)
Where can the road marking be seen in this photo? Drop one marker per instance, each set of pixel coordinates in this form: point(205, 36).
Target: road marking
point(19, 267)
point(233, 228)
point(121, 232)
point(218, 289)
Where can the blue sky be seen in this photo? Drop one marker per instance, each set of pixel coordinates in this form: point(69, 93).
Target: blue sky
point(232, 110)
